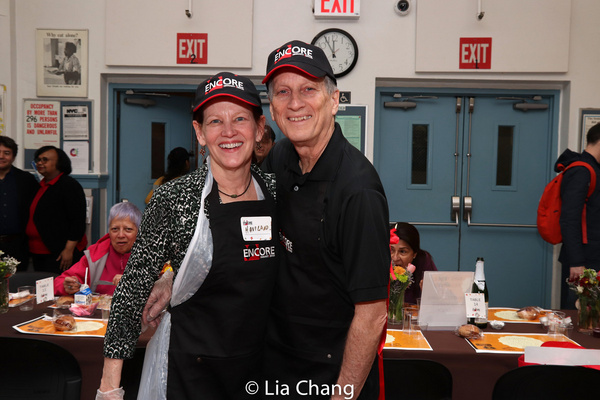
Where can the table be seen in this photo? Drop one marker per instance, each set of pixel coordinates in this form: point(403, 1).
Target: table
point(476, 373)
point(87, 351)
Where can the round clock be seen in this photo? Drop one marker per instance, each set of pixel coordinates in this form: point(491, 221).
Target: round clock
point(340, 48)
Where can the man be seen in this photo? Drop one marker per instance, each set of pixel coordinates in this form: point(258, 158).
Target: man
point(575, 255)
point(17, 190)
point(262, 148)
point(328, 314)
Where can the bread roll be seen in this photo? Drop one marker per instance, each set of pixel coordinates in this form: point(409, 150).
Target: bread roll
point(528, 313)
point(65, 301)
point(64, 323)
point(469, 331)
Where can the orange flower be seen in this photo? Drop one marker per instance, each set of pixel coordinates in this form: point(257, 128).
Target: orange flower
point(398, 270)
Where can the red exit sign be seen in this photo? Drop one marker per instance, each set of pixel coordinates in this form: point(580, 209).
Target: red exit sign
point(337, 8)
point(475, 53)
point(192, 48)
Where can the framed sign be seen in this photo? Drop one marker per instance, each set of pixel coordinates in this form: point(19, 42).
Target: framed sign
point(62, 62)
point(589, 118)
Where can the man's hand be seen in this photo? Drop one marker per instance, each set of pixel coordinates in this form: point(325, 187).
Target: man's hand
point(157, 301)
point(575, 272)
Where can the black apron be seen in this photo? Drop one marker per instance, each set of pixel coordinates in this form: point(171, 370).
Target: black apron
point(309, 321)
point(217, 336)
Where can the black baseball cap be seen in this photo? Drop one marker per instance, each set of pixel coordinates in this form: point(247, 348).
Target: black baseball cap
point(302, 56)
point(227, 84)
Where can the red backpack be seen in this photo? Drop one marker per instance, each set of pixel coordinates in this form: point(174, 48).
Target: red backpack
point(548, 213)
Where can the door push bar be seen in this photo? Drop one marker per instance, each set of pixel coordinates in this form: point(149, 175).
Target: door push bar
point(454, 213)
point(468, 209)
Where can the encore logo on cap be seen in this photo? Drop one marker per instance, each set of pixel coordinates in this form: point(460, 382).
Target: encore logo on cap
point(223, 83)
point(290, 51)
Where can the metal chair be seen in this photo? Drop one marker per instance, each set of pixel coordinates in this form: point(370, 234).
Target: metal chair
point(34, 369)
point(548, 382)
point(408, 379)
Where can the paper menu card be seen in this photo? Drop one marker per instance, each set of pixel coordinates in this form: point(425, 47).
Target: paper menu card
point(401, 340)
point(512, 343)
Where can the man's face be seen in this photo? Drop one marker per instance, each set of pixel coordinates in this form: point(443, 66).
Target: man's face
point(6, 158)
point(302, 108)
point(263, 147)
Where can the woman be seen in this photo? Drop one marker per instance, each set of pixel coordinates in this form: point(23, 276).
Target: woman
point(56, 226)
point(223, 269)
point(405, 248)
point(178, 163)
point(106, 259)
point(70, 66)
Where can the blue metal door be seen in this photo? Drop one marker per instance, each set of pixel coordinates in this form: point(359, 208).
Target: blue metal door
point(148, 131)
point(468, 170)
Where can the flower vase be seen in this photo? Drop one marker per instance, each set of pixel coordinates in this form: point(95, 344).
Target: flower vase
point(4, 295)
point(396, 304)
point(588, 316)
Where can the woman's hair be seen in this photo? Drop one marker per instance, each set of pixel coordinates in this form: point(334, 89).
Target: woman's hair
point(410, 235)
point(71, 46)
point(64, 162)
point(177, 163)
point(125, 210)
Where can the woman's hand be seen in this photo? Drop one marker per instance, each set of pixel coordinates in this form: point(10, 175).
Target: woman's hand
point(71, 284)
point(66, 256)
point(157, 301)
point(111, 379)
point(116, 279)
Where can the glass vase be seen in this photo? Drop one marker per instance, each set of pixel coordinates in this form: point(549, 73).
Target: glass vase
point(588, 316)
point(396, 303)
point(4, 295)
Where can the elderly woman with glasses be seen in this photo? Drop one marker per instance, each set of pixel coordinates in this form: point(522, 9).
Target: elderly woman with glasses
point(56, 226)
point(105, 260)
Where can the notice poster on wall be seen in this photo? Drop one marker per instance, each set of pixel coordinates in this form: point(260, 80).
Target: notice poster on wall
point(42, 123)
point(78, 152)
point(2, 112)
point(75, 122)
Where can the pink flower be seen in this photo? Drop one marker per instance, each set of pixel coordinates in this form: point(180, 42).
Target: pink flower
point(411, 268)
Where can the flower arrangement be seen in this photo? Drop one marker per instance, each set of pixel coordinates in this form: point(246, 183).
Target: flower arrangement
point(400, 279)
point(587, 288)
point(8, 267)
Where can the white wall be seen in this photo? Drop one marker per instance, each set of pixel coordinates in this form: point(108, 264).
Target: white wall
point(387, 54)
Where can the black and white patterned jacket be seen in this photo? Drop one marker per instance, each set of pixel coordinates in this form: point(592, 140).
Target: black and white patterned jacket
point(166, 230)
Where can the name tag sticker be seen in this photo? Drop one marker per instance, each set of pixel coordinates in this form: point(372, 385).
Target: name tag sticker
point(255, 229)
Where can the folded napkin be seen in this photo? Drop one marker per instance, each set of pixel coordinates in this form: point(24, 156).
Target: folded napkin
point(18, 295)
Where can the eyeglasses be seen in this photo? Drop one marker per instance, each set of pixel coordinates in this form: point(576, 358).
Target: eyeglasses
point(42, 160)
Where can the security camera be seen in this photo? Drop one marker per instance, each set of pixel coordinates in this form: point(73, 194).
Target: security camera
point(402, 7)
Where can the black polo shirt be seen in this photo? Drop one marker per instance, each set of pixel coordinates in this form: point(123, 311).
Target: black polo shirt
point(353, 237)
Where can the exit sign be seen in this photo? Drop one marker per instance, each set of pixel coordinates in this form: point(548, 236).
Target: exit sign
point(192, 48)
point(475, 53)
point(337, 9)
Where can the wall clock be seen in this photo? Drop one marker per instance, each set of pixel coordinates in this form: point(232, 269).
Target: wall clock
point(340, 48)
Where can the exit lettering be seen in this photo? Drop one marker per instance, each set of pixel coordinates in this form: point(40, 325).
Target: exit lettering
point(192, 48)
point(475, 53)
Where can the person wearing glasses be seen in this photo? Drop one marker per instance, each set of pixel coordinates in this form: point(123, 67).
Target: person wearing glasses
point(56, 226)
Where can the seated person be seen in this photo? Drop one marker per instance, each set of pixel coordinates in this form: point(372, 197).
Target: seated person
point(405, 248)
point(106, 259)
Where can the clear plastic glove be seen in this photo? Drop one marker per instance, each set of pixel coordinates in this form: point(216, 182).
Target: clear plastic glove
point(115, 394)
point(157, 301)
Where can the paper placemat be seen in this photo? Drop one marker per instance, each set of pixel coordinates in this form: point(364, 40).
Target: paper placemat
point(85, 327)
point(513, 343)
point(400, 340)
point(509, 315)
point(18, 302)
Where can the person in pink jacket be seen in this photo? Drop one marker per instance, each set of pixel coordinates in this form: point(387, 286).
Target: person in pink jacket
point(106, 259)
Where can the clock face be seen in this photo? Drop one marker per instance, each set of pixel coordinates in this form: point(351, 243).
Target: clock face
point(340, 48)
